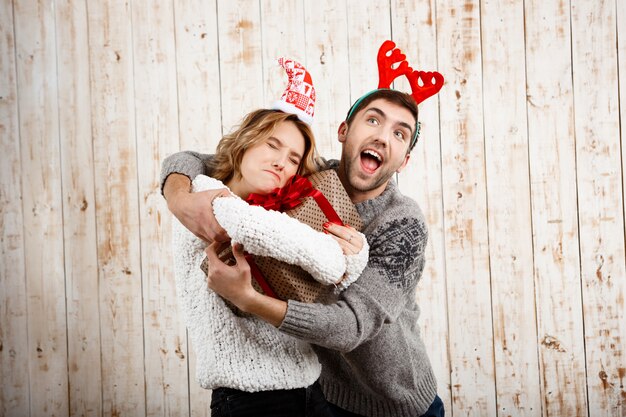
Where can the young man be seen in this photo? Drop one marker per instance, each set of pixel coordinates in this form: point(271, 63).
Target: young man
point(374, 362)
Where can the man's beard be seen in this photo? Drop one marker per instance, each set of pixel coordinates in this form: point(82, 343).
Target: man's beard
point(353, 169)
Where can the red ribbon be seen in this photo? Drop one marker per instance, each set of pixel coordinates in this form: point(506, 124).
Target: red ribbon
point(291, 196)
point(283, 199)
point(258, 276)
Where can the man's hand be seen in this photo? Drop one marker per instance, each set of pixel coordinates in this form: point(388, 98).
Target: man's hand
point(194, 210)
point(234, 283)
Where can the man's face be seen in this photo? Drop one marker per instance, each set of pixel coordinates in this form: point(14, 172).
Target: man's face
point(375, 146)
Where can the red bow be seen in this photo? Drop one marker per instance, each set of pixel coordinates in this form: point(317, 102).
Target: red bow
point(286, 198)
point(291, 196)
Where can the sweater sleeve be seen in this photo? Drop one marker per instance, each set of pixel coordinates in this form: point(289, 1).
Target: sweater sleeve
point(188, 163)
point(395, 265)
point(276, 235)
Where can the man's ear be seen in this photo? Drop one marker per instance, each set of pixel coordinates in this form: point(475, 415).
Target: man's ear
point(406, 161)
point(342, 132)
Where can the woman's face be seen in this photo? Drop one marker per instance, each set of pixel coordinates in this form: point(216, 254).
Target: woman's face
point(269, 164)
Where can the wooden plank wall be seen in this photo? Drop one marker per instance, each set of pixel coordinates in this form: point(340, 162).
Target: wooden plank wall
point(521, 173)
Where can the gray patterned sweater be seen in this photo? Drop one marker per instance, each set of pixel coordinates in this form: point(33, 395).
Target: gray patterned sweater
point(374, 362)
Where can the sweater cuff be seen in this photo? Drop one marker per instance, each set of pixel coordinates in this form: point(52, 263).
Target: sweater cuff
point(299, 320)
point(355, 264)
point(179, 163)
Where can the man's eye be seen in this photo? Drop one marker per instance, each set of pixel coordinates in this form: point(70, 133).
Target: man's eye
point(372, 120)
point(400, 135)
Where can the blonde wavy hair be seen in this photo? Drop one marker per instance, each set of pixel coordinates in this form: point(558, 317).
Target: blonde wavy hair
point(256, 127)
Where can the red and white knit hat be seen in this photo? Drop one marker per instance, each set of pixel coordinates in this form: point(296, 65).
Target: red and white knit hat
point(299, 97)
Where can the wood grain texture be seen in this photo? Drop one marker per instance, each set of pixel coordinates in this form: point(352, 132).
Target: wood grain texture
point(465, 210)
point(600, 203)
point(552, 157)
point(43, 207)
point(154, 64)
point(368, 27)
point(414, 26)
point(327, 59)
point(241, 60)
point(117, 208)
point(79, 216)
point(200, 128)
point(520, 172)
point(284, 21)
point(508, 192)
point(198, 75)
point(14, 358)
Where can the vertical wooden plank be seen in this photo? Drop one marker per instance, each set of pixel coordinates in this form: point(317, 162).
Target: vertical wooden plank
point(241, 60)
point(621, 53)
point(42, 205)
point(117, 216)
point(600, 206)
point(465, 211)
point(198, 70)
point(282, 34)
point(157, 132)
point(414, 31)
point(552, 153)
point(14, 390)
point(326, 44)
point(199, 109)
point(508, 191)
point(371, 22)
point(79, 221)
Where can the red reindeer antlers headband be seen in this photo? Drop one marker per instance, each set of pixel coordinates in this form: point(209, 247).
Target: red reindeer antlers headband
point(391, 65)
point(431, 81)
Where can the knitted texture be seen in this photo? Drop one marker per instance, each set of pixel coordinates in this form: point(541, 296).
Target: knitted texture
point(374, 362)
point(276, 235)
point(233, 351)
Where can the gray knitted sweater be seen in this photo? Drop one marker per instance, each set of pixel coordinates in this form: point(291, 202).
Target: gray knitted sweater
point(374, 362)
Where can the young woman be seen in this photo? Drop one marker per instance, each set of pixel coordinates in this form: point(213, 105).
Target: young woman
point(252, 368)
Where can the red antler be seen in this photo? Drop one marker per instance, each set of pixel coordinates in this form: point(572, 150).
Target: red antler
point(431, 84)
point(386, 72)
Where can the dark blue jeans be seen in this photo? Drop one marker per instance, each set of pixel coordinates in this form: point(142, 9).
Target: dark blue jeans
point(435, 410)
point(302, 402)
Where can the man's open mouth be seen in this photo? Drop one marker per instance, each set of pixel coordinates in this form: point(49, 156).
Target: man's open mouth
point(371, 160)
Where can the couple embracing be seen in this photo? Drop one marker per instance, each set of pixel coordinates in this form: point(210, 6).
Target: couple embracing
point(359, 351)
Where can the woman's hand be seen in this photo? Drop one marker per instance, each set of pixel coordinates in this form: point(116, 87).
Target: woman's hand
point(233, 282)
point(349, 239)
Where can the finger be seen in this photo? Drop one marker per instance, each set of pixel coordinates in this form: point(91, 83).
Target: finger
point(219, 234)
point(346, 248)
point(212, 252)
point(339, 231)
point(239, 255)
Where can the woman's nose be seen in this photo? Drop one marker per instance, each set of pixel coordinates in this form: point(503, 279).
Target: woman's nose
point(279, 163)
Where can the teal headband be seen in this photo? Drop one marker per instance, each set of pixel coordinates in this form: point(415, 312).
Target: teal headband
point(357, 103)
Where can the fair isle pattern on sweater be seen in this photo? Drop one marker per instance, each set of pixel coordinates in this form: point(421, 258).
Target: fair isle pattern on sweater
point(374, 362)
point(397, 242)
